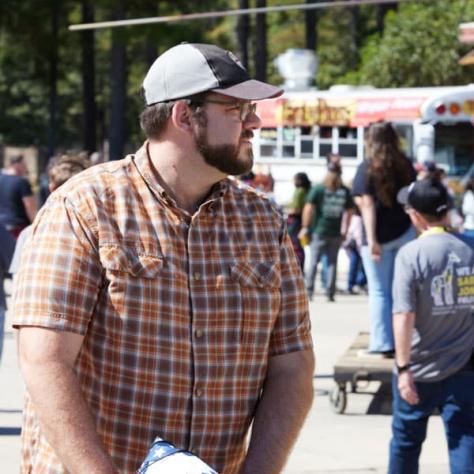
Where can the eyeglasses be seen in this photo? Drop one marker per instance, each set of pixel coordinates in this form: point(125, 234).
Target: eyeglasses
point(245, 108)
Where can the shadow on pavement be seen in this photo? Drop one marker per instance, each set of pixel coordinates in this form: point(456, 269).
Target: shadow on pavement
point(381, 404)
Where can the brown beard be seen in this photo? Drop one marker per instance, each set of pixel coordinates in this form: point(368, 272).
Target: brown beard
point(226, 158)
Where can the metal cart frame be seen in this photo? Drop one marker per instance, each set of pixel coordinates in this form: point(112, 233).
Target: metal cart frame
point(351, 369)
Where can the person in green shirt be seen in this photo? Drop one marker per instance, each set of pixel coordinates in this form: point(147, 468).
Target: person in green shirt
point(322, 216)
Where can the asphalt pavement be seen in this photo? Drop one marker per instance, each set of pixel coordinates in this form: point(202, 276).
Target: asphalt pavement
point(355, 442)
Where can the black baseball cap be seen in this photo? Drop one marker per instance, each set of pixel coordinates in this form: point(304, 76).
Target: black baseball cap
point(191, 68)
point(427, 196)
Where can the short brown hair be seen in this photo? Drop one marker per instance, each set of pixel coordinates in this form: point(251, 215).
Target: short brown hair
point(65, 167)
point(154, 117)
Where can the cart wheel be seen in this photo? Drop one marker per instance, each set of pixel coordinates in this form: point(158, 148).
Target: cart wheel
point(338, 399)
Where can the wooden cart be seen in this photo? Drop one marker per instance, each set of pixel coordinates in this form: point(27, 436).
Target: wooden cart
point(352, 368)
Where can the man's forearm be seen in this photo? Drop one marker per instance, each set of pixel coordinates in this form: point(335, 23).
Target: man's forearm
point(402, 332)
point(285, 402)
point(403, 328)
point(307, 215)
point(65, 418)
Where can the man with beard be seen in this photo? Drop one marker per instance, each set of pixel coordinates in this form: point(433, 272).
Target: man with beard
point(158, 297)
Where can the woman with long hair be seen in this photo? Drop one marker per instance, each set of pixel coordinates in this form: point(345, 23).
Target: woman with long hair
point(322, 215)
point(387, 227)
point(294, 212)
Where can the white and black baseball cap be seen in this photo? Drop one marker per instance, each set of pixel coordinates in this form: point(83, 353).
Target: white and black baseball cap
point(191, 68)
point(427, 196)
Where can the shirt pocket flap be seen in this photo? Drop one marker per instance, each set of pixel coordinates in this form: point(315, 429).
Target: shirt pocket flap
point(260, 274)
point(129, 261)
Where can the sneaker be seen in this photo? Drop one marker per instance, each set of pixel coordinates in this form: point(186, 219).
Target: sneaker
point(331, 299)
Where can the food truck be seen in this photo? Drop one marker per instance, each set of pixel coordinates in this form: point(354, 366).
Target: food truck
point(301, 127)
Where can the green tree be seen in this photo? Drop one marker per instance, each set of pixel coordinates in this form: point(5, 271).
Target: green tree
point(419, 47)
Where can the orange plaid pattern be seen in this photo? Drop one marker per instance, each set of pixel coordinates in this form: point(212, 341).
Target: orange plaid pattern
point(179, 313)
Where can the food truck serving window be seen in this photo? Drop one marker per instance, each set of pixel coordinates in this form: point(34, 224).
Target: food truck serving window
point(454, 147)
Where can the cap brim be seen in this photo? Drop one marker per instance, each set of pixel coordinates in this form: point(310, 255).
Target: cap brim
point(402, 196)
point(251, 90)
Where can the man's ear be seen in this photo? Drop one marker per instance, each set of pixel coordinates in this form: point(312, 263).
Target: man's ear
point(418, 220)
point(181, 116)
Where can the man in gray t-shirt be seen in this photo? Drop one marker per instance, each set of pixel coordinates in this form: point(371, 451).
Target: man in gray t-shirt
point(433, 294)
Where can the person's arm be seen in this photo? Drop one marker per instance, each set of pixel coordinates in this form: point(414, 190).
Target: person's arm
point(402, 330)
point(47, 364)
point(306, 219)
point(286, 399)
point(29, 202)
point(367, 209)
point(346, 222)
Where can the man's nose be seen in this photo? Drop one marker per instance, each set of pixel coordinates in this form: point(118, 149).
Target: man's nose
point(252, 121)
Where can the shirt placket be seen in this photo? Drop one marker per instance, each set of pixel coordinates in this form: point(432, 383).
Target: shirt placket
point(199, 277)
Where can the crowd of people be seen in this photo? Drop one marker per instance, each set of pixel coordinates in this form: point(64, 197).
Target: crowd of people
point(158, 299)
point(19, 206)
point(368, 223)
point(415, 252)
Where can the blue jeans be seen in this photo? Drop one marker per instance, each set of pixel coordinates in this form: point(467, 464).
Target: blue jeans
point(324, 270)
point(469, 232)
point(356, 274)
point(379, 278)
point(320, 246)
point(454, 397)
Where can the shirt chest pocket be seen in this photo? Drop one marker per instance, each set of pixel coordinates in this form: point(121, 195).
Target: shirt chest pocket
point(131, 279)
point(131, 262)
point(259, 287)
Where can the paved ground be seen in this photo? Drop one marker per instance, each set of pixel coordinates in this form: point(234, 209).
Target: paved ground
point(353, 443)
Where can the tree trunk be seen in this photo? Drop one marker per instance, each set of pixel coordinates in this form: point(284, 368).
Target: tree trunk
point(381, 12)
point(88, 80)
point(151, 48)
point(310, 23)
point(53, 78)
point(242, 30)
point(261, 43)
point(118, 88)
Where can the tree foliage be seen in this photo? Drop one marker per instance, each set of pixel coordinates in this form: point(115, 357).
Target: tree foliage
point(416, 46)
point(419, 47)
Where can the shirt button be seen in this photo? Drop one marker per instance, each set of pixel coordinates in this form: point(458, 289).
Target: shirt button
point(199, 392)
point(197, 276)
point(198, 333)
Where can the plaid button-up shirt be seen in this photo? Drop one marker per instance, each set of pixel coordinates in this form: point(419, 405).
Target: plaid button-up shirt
point(179, 313)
